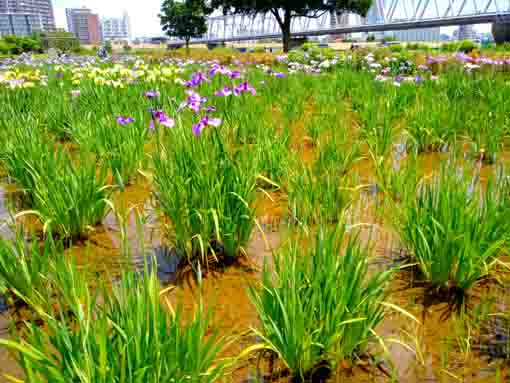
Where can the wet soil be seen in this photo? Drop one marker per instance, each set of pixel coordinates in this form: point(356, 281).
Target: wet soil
point(431, 352)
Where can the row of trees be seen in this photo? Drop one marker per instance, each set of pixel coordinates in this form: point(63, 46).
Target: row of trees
point(39, 42)
point(187, 18)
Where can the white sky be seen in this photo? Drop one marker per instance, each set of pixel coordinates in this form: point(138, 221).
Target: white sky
point(143, 14)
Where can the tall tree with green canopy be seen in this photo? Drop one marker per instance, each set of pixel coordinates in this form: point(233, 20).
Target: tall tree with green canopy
point(285, 10)
point(185, 19)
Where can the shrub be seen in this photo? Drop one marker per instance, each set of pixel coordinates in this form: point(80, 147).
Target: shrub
point(396, 48)
point(467, 46)
point(319, 306)
point(17, 45)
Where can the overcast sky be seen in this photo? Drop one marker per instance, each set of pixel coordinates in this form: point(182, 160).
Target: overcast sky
point(143, 14)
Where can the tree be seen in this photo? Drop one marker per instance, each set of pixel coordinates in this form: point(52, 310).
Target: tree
point(185, 19)
point(285, 10)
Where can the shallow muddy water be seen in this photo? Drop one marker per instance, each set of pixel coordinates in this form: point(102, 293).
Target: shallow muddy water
point(431, 354)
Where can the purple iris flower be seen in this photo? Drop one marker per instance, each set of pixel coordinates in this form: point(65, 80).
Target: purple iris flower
point(194, 101)
point(279, 75)
point(210, 109)
point(225, 92)
point(423, 67)
point(217, 69)
point(399, 79)
point(235, 74)
point(244, 88)
point(151, 94)
point(122, 120)
point(197, 79)
point(160, 117)
point(204, 123)
point(163, 119)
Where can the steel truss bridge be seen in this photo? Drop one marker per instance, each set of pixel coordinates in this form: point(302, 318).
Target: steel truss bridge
point(385, 15)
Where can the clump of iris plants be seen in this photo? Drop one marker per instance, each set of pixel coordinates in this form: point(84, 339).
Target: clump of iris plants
point(319, 306)
point(132, 335)
point(321, 198)
point(455, 229)
point(69, 196)
point(206, 193)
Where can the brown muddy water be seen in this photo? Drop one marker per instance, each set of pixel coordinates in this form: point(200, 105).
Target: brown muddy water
point(431, 351)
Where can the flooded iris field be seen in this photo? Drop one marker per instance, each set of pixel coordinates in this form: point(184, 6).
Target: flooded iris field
point(317, 217)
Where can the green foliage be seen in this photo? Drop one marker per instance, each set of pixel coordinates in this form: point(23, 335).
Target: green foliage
point(318, 199)
point(454, 230)
point(273, 157)
point(389, 39)
point(207, 193)
point(417, 46)
point(108, 47)
point(24, 270)
point(68, 196)
point(130, 337)
point(465, 46)
point(319, 305)
point(16, 45)
point(396, 48)
point(186, 19)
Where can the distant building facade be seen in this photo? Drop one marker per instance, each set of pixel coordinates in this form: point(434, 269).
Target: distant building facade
point(85, 25)
point(422, 34)
point(24, 17)
point(116, 28)
point(465, 32)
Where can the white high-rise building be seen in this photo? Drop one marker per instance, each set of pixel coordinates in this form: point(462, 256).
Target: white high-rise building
point(422, 34)
point(465, 32)
point(22, 17)
point(115, 28)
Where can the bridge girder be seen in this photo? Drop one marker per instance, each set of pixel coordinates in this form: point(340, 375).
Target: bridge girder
point(383, 12)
